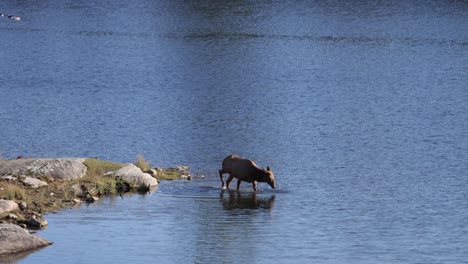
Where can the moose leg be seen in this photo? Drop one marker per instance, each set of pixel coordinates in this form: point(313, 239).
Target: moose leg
point(229, 180)
point(254, 185)
point(221, 177)
point(238, 184)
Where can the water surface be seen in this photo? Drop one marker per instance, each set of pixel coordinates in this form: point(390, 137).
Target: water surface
point(359, 108)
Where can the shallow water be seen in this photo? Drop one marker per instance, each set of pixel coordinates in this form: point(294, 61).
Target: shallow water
point(358, 107)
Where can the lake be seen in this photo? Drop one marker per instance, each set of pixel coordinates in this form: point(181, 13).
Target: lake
point(359, 107)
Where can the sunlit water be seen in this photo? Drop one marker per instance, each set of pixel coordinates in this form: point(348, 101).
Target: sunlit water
point(359, 107)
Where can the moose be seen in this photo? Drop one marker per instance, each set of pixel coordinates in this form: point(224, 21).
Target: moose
point(245, 170)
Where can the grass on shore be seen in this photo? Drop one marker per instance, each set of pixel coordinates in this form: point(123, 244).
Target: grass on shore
point(168, 174)
point(142, 163)
point(95, 179)
point(66, 193)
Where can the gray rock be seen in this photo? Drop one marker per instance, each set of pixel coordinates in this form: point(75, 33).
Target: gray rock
point(9, 178)
point(183, 169)
point(62, 168)
point(23, 206)
point(7, 206)
point(37, 222)
point(33, 182)
point(76, 189)
point(132, 173)
point(92, 199)
point(15, 239)
point(12, 217)
point(153, 172)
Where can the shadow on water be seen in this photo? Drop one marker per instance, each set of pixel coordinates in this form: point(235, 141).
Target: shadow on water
point(233, 200)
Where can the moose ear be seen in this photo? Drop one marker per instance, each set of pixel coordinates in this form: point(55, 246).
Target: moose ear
point(268, 168)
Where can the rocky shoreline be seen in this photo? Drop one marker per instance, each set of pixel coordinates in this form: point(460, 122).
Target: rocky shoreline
point(34, 186)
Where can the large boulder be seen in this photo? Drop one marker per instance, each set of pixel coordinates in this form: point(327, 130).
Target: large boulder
point(7, 205)
point(61, 168)
point(15, 239)
point(132, 173)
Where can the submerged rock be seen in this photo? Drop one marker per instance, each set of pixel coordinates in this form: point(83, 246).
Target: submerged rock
point(15, 239)
point(7, 206)
point(133, 174)
point(61, 168)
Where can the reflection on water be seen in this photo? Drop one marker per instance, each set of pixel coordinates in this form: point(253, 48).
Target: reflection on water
point(232, 200)
point(16, 257)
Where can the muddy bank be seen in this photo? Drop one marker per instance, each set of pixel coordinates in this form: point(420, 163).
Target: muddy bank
point(31, 187)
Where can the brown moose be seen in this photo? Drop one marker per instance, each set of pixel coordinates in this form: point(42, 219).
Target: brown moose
point(245, 170)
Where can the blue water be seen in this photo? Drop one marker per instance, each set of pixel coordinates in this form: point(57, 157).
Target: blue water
point(359, 107)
